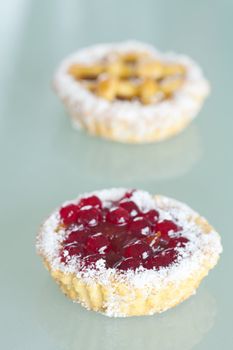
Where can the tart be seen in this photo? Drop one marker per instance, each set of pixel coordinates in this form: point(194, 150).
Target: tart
point(126, 253)
point(130, 92)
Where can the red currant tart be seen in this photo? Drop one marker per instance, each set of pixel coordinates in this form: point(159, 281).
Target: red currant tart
point(125, 252)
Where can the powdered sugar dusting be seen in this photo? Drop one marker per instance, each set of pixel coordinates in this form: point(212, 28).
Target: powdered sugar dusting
point(190, 258)
point(86, 107)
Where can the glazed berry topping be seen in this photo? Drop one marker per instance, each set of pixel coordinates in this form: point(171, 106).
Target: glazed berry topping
point(121, 234)
point(75, 249)
point(90, 260)
point(93, 201)
point(128, 263)
point(97, 243)
point(137, 249)
point(177, 242)
point(72, 250)
point(139, 226)
point(69, 214)
point(78, 236)
point(89, 216)
point(164, 258)
point(152, 216)
point(164, 227)
point(118, 216)
point(128, 194)
point(131, 208)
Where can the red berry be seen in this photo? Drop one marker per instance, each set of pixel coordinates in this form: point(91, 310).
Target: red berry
point(90, 260)
point(164, 227)
point(69, 214)
point(165, 258)
point(71, 250)
point(77, 237)
point(152, 216)
point(97, 243)
point(122, 236)
point(89, 216)
point(139, 227)
point(137, 249)
point(149, 263)
point(93, 201)
point(178, 242)
point(112, 258)
point(164, 241)
point(162, 259)
point(128, 194)
point(74, 249)
point(131, 208)
point(128, 263)
point(117, 241)
point(118, 216)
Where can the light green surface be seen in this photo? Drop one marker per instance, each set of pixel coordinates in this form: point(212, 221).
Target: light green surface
point(44, 162)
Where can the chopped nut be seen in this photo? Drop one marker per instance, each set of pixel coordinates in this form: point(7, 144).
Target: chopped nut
point(118, 69)
point(131, 57)
point(85, 72)
point(106, 88)
point(126, 89)
point(147, 90)
point(130, 75)
point(173, 69)
point(170, 85)
point(150, 69)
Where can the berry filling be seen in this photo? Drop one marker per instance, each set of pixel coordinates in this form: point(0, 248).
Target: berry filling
point(122, 235)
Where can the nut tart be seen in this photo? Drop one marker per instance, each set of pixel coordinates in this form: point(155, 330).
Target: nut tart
point(130, 92)
point(126, 253)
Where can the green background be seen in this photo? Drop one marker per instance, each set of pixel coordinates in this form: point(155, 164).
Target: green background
point(44, 162)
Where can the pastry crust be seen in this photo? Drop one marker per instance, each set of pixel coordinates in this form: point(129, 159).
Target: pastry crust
point(140, 292)
point(130, 121)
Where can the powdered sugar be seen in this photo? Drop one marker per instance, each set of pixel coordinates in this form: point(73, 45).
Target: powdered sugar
point(86, 108)
point(201, 245)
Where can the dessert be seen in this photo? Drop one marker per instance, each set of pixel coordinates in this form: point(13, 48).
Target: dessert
point(126, 253)
point(130, 92)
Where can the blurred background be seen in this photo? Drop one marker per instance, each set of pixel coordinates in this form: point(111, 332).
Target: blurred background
point(44, 162)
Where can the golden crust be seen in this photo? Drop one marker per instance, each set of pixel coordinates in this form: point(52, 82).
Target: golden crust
point(137, 300)
point(122, 132)
point(96, 296)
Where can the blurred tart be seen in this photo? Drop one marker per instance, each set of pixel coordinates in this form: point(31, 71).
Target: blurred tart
point(126, 253)
point(130, 92)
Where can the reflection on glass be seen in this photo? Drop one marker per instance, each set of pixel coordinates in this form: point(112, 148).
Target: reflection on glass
point(73, 327)
point(94, 157)
point(167, 159)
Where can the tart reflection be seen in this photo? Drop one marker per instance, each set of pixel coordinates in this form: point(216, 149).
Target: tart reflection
point(125, 163)
point(170, 159)
point(72, 327)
